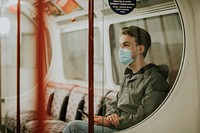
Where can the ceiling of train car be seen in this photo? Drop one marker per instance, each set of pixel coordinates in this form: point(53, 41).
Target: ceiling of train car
point(66, 7)
point(69, 6)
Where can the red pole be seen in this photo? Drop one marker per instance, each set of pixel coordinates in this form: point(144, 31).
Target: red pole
point(91, 66)
point(40, 44)
point(18, 67)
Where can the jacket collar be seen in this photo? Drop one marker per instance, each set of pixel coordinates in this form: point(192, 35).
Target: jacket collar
point(129, 73)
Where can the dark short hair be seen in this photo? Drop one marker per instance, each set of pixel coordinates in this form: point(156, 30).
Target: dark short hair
point(142, 37)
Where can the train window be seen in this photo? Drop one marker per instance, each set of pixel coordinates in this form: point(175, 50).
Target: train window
point(167, 43)
point(8, 48)
point(75, 55)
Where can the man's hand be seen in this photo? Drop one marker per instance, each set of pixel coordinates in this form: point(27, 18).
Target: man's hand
point(100, 120)
point(114, 119)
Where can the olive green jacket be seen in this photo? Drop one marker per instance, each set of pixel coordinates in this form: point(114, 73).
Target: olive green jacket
point(139, 95)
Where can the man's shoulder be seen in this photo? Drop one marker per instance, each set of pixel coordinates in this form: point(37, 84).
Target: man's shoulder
point(160, 71)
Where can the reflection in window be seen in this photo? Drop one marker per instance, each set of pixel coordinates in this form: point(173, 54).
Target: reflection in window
point(75, 55)
point(166, 48)
point(28, 47)
point(8, 44)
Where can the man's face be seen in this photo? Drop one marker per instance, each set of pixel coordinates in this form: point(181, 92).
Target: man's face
point(128, 42)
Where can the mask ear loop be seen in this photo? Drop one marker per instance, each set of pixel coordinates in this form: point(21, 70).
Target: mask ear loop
point(139, 50)
point(135, 51)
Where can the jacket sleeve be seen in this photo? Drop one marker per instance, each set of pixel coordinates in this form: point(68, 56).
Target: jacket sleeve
point(112, 107)
point(155, 93)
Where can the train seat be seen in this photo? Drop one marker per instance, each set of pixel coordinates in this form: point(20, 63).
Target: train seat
point(61, 106)
point(63, 109)
point(31, 115)
point(51, 126)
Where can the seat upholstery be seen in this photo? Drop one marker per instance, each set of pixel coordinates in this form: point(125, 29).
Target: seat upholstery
point(61, 107)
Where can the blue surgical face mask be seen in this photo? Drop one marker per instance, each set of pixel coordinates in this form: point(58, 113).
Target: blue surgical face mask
point(125, 56)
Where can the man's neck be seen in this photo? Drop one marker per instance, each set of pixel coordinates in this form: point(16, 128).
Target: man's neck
point(137, 65)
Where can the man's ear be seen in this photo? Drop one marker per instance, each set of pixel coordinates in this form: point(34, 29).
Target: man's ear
point(141, 49)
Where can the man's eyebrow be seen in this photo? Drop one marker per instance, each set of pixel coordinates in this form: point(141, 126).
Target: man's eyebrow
point(125, 42)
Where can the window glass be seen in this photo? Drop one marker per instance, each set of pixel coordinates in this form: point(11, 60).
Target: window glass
point(166, 48)
point(75, 55)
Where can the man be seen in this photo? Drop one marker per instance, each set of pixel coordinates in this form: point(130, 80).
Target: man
point(142, 90)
